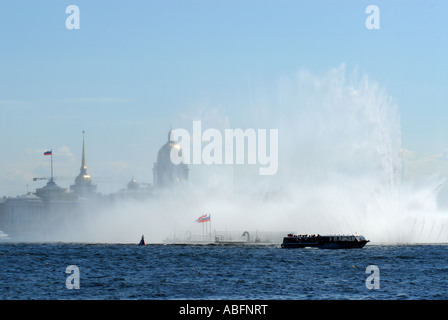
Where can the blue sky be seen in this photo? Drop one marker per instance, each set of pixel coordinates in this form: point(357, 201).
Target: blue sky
point(134, 67)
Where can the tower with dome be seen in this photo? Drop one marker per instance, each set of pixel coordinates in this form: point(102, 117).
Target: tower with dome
point(166, 174)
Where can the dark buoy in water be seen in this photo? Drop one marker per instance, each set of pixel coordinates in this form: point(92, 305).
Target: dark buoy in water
point(142, 241)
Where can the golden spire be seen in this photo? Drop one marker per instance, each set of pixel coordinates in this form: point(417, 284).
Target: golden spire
point(83, 162)
point(83, 185)
point(83, 174)
point(170, 133)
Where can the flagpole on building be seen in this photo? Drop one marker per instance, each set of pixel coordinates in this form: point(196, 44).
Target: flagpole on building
point(210, 231)
point(51, 164)
point(50, 153)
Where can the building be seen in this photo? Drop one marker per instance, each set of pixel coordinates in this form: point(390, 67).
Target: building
point(38, 216)
point(166, 174)
point(52, 211)
point(134, 191)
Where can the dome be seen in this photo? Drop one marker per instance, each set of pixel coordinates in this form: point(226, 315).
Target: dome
point(166, 173)
point(82, 178)
point(133, 185)
point(52, 191)
point(164, 155)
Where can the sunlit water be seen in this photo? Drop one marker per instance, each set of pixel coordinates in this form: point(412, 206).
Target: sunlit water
point(196, 272)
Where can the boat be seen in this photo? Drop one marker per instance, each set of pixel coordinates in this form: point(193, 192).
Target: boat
point(3, 236)
point(142, 241)
point(324, 241)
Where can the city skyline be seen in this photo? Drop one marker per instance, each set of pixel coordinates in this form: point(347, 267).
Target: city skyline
point(133, 70)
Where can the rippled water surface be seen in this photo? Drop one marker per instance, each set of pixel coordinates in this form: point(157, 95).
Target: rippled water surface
point(124, 271)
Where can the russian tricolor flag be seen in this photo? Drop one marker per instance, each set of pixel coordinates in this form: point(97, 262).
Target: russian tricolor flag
point(203, 218)
point(48, 153)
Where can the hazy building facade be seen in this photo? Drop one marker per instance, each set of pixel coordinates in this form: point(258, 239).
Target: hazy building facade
point(38, 216)
point(51, 211)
